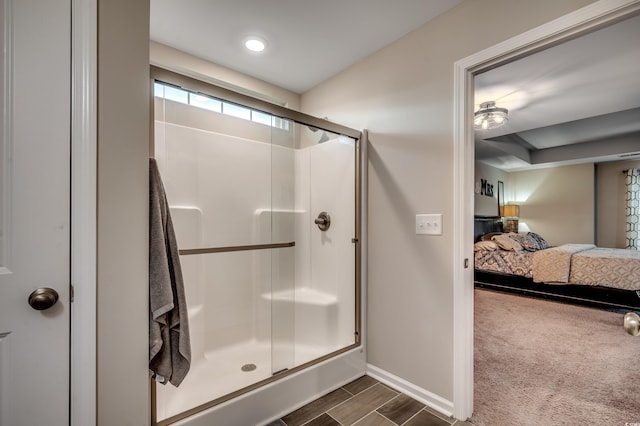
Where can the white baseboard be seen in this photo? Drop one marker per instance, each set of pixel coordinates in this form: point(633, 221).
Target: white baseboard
point(430, 399)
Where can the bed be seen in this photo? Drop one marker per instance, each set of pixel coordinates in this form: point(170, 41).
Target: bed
point(575, 273)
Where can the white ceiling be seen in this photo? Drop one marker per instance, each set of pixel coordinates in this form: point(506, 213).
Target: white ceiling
point(584, 93)
point(563, 102)
point(308, 41)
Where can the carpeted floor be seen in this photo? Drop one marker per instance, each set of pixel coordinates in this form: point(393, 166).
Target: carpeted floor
point(539, 362)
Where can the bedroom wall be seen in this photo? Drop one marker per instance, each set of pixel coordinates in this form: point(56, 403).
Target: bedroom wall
point(404, 95)
point(610, 193)
point(485, 205)
point(557, 203)
point(609, 198)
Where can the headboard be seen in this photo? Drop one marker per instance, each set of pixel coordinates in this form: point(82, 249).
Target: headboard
point(485, 225)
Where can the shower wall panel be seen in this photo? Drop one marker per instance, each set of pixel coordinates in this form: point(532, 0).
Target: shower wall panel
point(266, 309)
point(228, 180)
point(325, 260)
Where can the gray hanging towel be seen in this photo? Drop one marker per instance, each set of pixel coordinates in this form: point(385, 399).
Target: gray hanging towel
point(169, 346)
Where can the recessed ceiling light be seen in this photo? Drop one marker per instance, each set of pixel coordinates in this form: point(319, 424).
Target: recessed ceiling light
point(255, 44)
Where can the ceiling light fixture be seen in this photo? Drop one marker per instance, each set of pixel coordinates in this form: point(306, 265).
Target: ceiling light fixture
point(255, 44)
point(489, 116)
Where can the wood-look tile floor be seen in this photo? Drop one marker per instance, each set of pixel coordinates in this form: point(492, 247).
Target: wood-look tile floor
point(366, 402)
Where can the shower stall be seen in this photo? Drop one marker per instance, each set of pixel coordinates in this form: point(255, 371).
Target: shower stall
point(265, 204)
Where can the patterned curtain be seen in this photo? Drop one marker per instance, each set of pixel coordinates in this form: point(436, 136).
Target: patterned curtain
point(632, 181)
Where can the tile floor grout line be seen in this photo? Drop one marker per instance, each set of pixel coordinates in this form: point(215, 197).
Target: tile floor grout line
point(422, 409)
point(347, 391)
point(410, 418)
point(367, 388)
point(337, 421)
point(397, 393)
point(325, 411)
point(337, 405)
point(370, 387)
point(360, 420)
point(332, 418)
point(375, 410)
point(348, 399)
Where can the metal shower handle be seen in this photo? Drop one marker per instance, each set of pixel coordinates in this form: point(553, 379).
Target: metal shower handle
point(323, 221)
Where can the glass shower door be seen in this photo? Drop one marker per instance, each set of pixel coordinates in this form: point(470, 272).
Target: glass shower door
point(271, 284)
point(325, 240)
point(229, 189)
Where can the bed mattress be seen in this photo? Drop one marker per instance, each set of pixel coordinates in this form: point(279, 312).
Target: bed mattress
point(567, 264)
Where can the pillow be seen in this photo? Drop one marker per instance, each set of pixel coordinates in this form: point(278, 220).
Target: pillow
point(505, 243)
point(487, 237)
point(485, 245)
point(526, 241)
point(539, 241)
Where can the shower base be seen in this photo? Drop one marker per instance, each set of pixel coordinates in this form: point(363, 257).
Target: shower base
point(220, 372)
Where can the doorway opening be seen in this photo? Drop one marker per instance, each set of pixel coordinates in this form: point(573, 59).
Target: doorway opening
point(573, 25)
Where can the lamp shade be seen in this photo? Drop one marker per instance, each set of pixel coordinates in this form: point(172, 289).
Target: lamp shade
point(511, 210)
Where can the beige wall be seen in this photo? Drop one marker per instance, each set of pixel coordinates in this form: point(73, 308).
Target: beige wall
point(557, 203)
point(548, 196)
point(183, 63)
point(483, 204)
point(611, 203)
point(404, 95)
point(123, 140)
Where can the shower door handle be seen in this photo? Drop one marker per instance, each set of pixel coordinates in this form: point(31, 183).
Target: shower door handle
point(323, 221)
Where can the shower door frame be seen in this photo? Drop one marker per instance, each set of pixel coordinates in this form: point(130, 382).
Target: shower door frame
point(198, 86)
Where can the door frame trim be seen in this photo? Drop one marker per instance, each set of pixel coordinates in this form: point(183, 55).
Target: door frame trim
point(84, 82)
point(575, 24)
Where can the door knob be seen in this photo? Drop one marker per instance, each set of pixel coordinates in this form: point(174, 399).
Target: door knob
point(632, 323)
point(43, 298)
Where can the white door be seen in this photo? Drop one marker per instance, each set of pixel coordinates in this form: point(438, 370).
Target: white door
point(34, 210)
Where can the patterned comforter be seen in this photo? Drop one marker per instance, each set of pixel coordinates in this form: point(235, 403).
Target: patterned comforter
point(619, 268)
point(553, 265)
point(567, 264)
point(505, 261)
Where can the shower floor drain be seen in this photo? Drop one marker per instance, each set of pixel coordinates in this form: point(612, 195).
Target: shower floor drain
point(248, 367)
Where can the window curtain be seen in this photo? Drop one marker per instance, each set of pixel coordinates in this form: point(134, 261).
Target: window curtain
point(632, 181)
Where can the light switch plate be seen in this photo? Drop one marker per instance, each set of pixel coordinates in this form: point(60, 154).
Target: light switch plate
point(429, 224)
